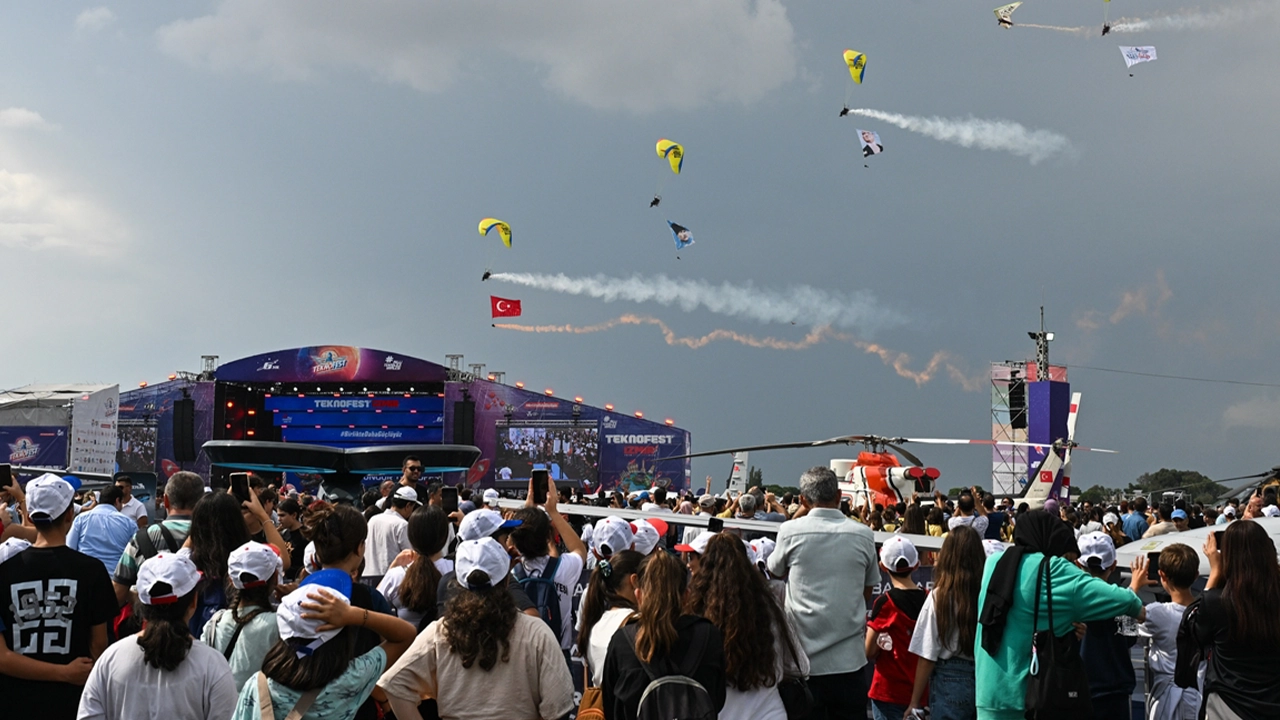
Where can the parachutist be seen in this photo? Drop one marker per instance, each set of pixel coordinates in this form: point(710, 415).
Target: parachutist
point(1106, 28)
point(656, 199)
point(485, 276)
point(844, 111)
point(1130, 74)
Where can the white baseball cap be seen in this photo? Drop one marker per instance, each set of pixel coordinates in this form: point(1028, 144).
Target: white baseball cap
point(256, 560)
point(612, 535)
point(1110, 519)
point(899, 555)
point(698, 544)
point(482, 523)
point(993, 547)
point(763, 548)
point(174, 570)
point(48, 497)
point(485, 555)
point(12, 547)
point(491, 497)
point(647, 535)
point(1229, 511)
point(407, 494)
point(305, 633)
point(1271, 511)
point(1097, 549)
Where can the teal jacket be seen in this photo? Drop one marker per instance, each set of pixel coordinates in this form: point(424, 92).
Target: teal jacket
point(1077, 597)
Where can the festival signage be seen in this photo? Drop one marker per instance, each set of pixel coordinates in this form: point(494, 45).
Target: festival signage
point(39, 446)
point(330, 363)
point(93, 431)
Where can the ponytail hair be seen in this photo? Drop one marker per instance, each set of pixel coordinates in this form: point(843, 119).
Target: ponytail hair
point(602, 592)
point(165, 638)
point(663, 581)
point(337, 531)
point(428, 530)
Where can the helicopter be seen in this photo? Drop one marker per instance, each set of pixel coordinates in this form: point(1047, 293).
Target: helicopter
point(1257, 481)
point(878, 476)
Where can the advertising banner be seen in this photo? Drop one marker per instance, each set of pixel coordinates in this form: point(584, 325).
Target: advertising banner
point(330, 363)
point(358, 419)
point(362, 436)
point(93, 431)
point(41, 446)
point(377, 403)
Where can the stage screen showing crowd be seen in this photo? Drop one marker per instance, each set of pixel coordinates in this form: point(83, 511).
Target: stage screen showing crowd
point(571, 454)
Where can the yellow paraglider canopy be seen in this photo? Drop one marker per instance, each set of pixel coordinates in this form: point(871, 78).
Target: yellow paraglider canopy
point(504, 230)
point(673, 152)
point(857, 63)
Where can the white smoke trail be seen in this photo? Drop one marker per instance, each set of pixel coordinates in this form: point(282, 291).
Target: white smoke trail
point(971, 132)
point(1075, 30)
point(1186, 21)
point(803, 304)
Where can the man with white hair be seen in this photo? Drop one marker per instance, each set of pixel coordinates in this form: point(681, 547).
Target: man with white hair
point(830, 565)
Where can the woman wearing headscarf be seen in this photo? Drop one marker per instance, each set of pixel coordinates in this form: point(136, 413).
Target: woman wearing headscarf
point(1008, 618)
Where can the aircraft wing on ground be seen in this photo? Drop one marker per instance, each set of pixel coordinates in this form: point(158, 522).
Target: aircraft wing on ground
point(592, 513)
point(1195, 538)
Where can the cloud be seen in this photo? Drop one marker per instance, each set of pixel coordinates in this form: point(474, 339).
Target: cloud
point(642, 57)
point(1258, 412)
point(37, 215)
point(17, 118)
point(94, 19)
point(1145, 300)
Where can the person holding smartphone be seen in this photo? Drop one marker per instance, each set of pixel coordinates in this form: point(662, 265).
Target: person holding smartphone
point(539, 559)
point(1179, 566)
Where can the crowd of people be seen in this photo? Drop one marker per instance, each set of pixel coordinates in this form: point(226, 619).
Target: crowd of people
point(275, 604)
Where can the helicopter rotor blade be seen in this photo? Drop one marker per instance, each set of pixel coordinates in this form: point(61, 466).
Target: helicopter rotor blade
point(847, 440)
point(906, 455)
point(959, 441)
point(1245, 477)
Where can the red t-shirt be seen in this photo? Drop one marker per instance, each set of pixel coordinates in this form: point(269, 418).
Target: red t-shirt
point(893, 615)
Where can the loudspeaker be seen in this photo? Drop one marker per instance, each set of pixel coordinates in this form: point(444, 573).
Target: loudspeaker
point(1018, 404)
point(184, 430)
point(464, 422)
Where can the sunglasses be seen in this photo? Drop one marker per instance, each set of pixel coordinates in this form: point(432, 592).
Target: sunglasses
point(414, 468)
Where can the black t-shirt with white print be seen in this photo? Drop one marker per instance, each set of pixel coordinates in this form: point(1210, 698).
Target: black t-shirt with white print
point(50, 600)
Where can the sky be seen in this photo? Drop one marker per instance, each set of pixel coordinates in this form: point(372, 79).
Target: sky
point(233, 177)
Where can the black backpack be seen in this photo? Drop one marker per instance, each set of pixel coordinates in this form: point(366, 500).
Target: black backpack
point(673, 694)
point(541, 589)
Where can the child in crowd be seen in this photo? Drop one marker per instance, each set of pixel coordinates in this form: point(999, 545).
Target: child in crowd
point(889, 629)
point(244, 632)
point(1179, 565)
point(1105, 650)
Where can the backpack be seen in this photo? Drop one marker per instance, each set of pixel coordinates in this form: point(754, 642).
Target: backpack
point(542, 592)
point(126, 621)
point(674, 695)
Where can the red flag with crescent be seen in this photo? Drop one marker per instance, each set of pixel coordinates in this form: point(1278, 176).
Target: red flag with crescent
point(503, 307)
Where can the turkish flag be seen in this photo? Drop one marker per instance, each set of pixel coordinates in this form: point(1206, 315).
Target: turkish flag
point(502, 307)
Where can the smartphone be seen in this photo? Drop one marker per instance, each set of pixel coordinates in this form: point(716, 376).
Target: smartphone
point(715, 524)
point(1153, 566)
point(540, 486)
point(6, 475)
point(449, 500)
point(1217, 538)
point(240, 486)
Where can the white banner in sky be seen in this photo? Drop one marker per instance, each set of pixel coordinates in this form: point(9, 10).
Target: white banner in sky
point(1135, 55)
point(93, 431)
point(738, 478)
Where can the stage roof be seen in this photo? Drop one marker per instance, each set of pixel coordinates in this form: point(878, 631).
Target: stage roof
point(329, 364)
